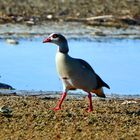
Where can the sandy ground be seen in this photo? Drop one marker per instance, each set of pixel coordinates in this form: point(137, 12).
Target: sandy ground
point(32, 119)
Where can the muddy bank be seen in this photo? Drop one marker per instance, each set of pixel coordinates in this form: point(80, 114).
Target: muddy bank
point(73, 30)
point(117, 13)
point(31, 118)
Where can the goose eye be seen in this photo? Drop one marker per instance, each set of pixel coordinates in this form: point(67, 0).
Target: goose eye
point(55, 36)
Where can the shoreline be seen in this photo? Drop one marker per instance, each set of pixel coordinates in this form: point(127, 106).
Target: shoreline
point(71, 94)
point(73, 30)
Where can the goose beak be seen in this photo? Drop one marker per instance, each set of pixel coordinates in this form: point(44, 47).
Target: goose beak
point(47, 40)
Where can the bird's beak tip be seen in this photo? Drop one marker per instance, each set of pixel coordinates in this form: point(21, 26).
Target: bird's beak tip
point(46, 40)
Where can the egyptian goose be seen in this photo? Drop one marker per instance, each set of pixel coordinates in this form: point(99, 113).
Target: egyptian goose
point(75, 73)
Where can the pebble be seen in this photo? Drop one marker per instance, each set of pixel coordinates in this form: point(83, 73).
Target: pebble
point(30, 22)
point(99, 33)
point(129, 102)
point(5, 110)
point(49, 16)
point(12, 41)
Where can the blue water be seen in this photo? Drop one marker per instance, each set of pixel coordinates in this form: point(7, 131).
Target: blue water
point(30, 65)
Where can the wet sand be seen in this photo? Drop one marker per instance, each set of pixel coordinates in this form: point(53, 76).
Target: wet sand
point(72, 30)
point(31, 118)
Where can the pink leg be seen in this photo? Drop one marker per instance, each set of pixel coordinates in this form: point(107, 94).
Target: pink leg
point(58, 107)
point(90, 102)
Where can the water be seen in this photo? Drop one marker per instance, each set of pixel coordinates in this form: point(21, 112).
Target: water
point(31, 64)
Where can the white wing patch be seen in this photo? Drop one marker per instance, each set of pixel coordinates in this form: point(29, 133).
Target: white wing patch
point(67, 84)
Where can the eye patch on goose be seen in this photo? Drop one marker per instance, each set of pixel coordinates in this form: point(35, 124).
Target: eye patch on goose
point(54, 35)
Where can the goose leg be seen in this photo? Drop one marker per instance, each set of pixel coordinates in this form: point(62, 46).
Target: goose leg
point(90, 108)
point(58, 106)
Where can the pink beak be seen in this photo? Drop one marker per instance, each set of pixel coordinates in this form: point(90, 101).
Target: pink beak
point(46, 40)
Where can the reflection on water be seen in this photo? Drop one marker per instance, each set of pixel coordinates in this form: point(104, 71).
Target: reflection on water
point(31, 64)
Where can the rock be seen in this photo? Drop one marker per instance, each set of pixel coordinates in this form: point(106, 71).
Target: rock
point(19, 19)
point(6, 111)
point(30, 22)
point(128, 102)
point(6, 86)
point(49, 16)
point(12, 41)
point(100, 33)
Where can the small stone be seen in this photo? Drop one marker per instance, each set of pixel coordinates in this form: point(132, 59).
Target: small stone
point(5, 110)
point(49, 16)
point(12, 41)
point(19, 18)
point(129, 102)
point(30, 22)
point(99, 33)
